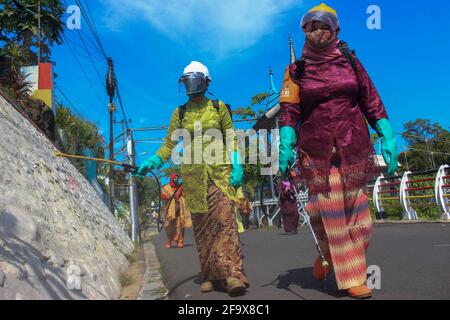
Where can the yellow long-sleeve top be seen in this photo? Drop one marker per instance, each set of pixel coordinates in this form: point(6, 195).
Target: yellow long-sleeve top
point(203, 122)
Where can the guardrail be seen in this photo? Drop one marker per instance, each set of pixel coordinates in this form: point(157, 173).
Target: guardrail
point(414, 190)
point(411, 191)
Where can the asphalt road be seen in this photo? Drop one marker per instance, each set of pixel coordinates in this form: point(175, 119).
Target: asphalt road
point(414, 260)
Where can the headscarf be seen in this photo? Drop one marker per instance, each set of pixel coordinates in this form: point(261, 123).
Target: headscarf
point(321, 45)
point(174, 180)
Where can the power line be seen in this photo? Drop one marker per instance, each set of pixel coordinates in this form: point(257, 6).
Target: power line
point(150, 139)
point(121, 106)
point(87, 15)
point(92, 28)
point(95, 45)
point(67, 38)
point(84, 72)
point(421, 137)
point(90, 16)
point(67, 99)
point(427, 151)
point(90, 58)
point(159, 128)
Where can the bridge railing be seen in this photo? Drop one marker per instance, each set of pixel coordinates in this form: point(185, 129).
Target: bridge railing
point(407, 195)
point(413, 191)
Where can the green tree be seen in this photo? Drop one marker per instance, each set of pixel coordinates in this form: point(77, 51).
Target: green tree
point(147, 193)
point(78, 134)
point(252, 172)
point(428, 145)
point(258, 100)
point(18, 48)
point(19, 26)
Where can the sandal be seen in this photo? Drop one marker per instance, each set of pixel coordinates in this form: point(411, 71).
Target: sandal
point(360, 292)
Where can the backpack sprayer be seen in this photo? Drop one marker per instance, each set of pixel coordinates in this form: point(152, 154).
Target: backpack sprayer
point(128, 168)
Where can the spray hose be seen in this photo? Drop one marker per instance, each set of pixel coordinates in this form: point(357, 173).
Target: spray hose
point(128, 168)
point(289, 184)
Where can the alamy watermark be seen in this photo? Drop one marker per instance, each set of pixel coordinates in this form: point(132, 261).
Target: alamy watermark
point(374, 277)
point(73, 22)
point(73, 277)
point(374, 20)
point(213, 148)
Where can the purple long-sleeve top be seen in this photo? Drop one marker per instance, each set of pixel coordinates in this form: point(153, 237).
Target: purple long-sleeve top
point(335, 101)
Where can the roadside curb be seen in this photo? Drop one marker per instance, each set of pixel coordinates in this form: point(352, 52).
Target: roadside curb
point(411, 222)
point(153, 287)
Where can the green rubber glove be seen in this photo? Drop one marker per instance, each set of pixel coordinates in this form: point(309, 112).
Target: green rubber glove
point(237, 171)
point(388, 145)
point(154, 162)
point(288, 140)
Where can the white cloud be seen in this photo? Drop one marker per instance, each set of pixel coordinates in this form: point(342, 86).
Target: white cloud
point(220, 27)
point(142, 120)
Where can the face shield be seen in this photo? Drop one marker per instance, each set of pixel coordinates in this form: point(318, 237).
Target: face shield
point(322, 16)
point(194, 82)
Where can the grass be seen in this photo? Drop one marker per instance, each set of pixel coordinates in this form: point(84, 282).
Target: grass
point(125, 279)
point(162, 291)
point(162, 273)
point(131, 258)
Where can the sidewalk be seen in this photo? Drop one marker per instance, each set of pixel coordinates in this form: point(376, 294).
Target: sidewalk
point(153, 287)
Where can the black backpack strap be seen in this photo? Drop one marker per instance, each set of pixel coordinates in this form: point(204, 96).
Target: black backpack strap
point(216, 105)
point(181, 113)
point(300, 68)
point(349, 54)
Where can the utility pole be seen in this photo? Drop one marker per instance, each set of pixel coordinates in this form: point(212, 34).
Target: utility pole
point(111, 86)
point(430, 155)
point(135, 228)
point(39, 32)
point(124, 135)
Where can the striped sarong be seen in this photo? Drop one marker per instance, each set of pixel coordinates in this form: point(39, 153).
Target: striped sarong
point(343, 225)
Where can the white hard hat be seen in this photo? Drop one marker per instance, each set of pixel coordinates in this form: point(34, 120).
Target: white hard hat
point(196, 66)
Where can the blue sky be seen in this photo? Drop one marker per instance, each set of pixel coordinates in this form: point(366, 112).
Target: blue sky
point(151, 41)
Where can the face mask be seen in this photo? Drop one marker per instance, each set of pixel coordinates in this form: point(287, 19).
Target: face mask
point(195, 83)
point(320, 39)
point(196, 95)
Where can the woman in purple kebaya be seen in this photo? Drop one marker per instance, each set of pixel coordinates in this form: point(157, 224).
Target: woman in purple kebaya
point(327, 101)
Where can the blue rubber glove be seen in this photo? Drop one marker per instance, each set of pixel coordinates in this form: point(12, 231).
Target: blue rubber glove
point(288, 140)
point(237, 171)
point(154, 162)
point(388, 145)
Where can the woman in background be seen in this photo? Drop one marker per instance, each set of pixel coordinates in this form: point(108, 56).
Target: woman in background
point(177, 215)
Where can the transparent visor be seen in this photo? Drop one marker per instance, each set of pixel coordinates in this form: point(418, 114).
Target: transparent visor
point(195, 82)
point(322, 16)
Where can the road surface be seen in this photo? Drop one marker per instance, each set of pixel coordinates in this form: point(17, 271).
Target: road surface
point(414, 260)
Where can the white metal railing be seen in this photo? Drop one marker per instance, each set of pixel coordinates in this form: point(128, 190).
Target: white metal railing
point(272, 210)
point(442, 190)
point(401, 189)
point(398, 189)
